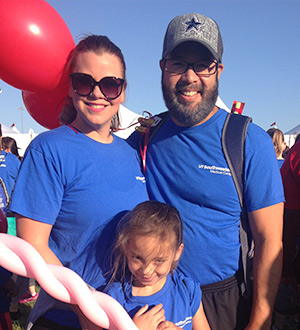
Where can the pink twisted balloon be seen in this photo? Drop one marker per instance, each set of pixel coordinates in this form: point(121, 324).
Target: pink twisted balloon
point(21, 258)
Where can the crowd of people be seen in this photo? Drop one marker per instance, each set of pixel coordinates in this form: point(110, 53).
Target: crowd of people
point(158, 230)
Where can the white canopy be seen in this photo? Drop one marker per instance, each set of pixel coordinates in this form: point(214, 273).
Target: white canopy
point(22, 140)
point(290, 136)
point(128, 122)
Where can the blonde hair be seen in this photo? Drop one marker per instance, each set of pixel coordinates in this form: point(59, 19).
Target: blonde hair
point(98, 45)
point(150, 218)
point(277, 139)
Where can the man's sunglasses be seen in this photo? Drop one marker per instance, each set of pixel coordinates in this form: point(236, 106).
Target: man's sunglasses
point(83, 85)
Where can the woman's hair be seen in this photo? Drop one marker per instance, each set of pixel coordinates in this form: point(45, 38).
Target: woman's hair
point(149, 218)
point(99, 45)
point(277, 139)
point(11, 144)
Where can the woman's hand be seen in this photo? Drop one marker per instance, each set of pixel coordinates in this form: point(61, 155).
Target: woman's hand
point(146, 319)
point(85, 323)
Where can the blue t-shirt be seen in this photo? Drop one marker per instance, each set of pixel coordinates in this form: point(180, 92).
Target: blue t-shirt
point(9, 167)
point(82, 188)
point(280, 162)
point(186, 168)
point(180, 296)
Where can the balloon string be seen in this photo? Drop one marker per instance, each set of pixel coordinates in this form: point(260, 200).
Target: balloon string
point(21, 258)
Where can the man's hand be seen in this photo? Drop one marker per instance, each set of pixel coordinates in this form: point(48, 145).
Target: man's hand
point(146, 319)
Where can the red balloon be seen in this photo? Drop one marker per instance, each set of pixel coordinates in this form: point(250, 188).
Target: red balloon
point(45, 107)
point(34, 45)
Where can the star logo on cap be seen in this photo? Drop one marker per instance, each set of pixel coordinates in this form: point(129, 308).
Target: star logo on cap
point(192, 24)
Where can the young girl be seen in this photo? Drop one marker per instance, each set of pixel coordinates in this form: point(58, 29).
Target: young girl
point(148, 247)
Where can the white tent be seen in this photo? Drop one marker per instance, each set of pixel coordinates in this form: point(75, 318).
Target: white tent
point(290, 136)
point(22, 140)
point(128, 122)
point(220, 104)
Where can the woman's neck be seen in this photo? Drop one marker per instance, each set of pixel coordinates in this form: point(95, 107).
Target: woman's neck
point(100, 134)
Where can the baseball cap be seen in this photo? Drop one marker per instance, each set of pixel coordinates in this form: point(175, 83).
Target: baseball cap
point(194, 27)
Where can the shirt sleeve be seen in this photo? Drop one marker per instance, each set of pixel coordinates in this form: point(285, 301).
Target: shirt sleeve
point(39, 187)
point(263, 183)
point(295, 163)
point(194, 291)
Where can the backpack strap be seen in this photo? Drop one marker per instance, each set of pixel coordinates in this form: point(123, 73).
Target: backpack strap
point(158, 121)
point(233, 144)
point(148, 129)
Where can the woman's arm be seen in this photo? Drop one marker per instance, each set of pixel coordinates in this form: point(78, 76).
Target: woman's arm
point(37, 234)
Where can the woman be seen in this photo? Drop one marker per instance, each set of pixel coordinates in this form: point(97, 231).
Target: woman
point(80, 178)
point(278, 142)
point(10, 145)
point(26, 286)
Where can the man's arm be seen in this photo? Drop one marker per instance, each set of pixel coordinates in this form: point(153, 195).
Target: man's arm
point(266, 225)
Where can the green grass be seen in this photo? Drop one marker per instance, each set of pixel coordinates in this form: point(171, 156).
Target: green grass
point(24, 309)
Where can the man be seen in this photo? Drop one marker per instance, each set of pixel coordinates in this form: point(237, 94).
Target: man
point(287, 301)
point(186, 168)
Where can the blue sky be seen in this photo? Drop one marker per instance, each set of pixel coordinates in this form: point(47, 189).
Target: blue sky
point(261, 53)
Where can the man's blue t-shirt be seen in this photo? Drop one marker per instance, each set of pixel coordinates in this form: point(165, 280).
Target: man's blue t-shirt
point(186, 168)
point(180, 297)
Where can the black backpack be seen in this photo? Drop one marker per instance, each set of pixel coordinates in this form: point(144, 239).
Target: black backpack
point(233, 141)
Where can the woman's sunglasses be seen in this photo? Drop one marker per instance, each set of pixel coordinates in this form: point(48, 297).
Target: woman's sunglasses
point(83, 85)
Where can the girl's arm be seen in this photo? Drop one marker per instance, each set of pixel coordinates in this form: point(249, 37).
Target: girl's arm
point(199, 320)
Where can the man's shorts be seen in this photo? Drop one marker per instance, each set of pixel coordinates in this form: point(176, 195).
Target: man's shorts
point(224, 305)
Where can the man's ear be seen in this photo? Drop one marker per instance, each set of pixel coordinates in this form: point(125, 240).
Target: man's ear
point(161, 64)
point(220, 69)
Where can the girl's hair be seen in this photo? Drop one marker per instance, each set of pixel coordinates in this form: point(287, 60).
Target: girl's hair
point(11, 144)
point(99, 45)
point(149, 218)
point(277, 139)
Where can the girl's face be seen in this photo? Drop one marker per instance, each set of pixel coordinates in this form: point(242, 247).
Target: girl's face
point(150, 261)
point(95, 111)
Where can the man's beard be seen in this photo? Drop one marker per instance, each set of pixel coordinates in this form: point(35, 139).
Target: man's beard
point(183, 113)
